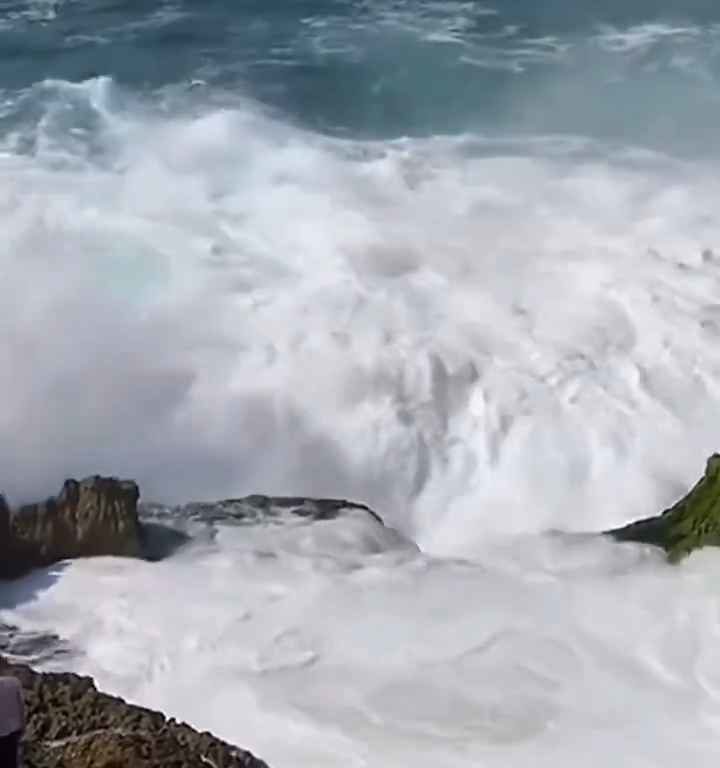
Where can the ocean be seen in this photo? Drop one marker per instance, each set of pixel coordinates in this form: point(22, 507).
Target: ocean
point(456, 260)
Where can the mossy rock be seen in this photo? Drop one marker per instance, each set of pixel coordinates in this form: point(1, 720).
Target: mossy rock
point(690, 524)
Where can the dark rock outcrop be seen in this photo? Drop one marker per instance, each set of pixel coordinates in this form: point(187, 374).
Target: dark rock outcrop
point(101, 516)
point(315, 509)
point(97, 516)
point(257, 508)
point(31, 646)
point(5, 517)
point(691, 523)
point(70, 724)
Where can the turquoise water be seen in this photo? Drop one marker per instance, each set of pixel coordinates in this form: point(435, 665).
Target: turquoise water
point(643, 71)
point(213, 160)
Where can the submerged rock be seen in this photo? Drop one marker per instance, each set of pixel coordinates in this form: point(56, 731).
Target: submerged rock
point(97, 516)
point(691, 523)
point(70, 724)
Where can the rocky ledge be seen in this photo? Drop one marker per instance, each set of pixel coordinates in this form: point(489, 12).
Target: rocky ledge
point(70, 724)
point(102, 516)
point(691, 523)
point(258, 508)
point(97, 516)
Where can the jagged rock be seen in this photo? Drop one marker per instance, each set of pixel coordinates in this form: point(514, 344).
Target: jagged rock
point(258, 507)
point(70, 724)
point(316, 509)
point(31, 646)
point(101, 516)
point(691, 523)
point(97, 516)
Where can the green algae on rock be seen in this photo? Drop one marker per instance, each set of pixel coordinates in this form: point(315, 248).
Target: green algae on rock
point(691, 523)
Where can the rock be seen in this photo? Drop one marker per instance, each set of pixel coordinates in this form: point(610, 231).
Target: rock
point(257, 507)
point(97, 516)
point(101, 516)
point(160, 541)
point(31, 646)
point(691, 523)
point(70, 724)
point(5, 517)
point(316, 509)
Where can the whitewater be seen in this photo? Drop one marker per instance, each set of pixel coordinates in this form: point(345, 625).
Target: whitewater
point(459, 262)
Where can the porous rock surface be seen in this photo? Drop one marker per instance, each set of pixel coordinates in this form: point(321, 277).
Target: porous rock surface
point(70, 724)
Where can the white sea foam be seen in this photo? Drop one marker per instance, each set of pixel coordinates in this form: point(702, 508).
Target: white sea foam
point(639, 37)
point(315, 649)
point(483, 340)
point(218, 294)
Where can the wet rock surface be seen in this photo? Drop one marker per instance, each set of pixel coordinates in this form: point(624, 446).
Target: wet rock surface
point(30, 646)
point(95, 516)
point(691, 523)
point(102, 516)
point(70, 724)
point(258, 508)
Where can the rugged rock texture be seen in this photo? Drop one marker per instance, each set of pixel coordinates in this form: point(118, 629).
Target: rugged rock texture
point(5, 517)
point(100, 516)
point(72, 725)
point(255, 508)
point(31, 646)
point(97, 516)
point(691, 523)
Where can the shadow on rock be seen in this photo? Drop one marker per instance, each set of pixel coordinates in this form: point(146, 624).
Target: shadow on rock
point(158, 541)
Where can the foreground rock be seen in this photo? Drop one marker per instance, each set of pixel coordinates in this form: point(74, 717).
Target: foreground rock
point(72, 725)
point(97, 516)
point(691, 523)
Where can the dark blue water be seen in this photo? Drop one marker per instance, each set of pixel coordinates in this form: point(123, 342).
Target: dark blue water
point(644, 72)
